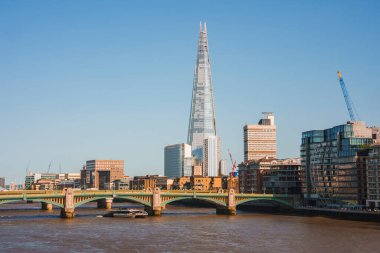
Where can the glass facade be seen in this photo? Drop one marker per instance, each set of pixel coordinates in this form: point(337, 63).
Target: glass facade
point(373, 177)
point(178, 160)
point(331, 159)
point(202, 114)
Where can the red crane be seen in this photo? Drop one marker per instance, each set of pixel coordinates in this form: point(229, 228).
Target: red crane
point(233, 162)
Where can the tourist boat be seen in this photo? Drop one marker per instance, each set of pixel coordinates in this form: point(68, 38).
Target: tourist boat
point(127, 213)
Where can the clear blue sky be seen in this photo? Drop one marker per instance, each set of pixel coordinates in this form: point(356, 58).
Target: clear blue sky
point(87, 80)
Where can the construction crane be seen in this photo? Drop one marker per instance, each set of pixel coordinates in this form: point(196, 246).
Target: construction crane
point(49, 167)
point(233, 162)
point(350, 105)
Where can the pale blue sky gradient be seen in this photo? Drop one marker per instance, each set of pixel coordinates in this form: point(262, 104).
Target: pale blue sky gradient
point(84, 80)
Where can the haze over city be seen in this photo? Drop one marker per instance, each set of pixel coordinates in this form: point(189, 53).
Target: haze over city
point(91, 80)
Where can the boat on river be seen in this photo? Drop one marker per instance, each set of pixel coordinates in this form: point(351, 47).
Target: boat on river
point(126, 213)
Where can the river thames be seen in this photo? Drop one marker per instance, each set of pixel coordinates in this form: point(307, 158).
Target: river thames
point(25, 228)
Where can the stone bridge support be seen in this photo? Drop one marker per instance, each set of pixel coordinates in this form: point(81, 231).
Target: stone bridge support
point(105, 203)
point(155, 209)
point(46, 206)
point(230, 208)
point(68, 210)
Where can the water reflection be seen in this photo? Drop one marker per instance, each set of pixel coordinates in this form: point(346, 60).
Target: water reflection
point(25, 228)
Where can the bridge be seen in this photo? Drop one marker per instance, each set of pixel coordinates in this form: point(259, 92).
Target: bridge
point(154, 200)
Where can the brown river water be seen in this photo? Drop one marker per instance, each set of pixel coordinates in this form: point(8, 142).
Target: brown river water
point(25, 228)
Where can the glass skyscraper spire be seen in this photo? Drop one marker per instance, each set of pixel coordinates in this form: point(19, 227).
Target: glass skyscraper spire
point(202, 114)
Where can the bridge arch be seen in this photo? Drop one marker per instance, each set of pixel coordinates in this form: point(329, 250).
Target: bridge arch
point(79, 203)
point(34, 200)
point(218, 203)
point(10, 201)
point(268, 199)
point(49, 202)
point(135, 200)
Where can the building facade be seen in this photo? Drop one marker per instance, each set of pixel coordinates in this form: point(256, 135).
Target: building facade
point(373, 177)
point(202, 115)
point(270, 175)
point(283, 177)
point(223, 167)
point(2, 182)
point(123, 184)
point(211, 156)
point(333, 161)
point(260, 139)
point(149, 182)
point(100, 174)
point(177, 160)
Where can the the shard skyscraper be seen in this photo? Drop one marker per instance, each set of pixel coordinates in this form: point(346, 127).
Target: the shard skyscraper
point(202, 114)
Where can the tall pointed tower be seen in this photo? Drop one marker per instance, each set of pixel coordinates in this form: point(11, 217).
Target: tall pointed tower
point(202, 114)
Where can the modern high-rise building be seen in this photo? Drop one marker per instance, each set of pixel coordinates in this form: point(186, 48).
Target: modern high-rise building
point(260, 139)
point(333, 161)
point(202, 115)
point(178, 160)
point(211, 156)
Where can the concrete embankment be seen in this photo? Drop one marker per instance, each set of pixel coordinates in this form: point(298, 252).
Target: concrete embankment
point(339, 214)
point(300, 211)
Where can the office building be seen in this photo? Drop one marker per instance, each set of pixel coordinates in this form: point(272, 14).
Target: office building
point(202, 115)
point(178, 160)
point(32, 179)
point(270, 175)
point(211, 156)
point(150, 182)
point(100, 174)
point(373, 177)
point(223, 167)
point(376, 134)
point(123, 184)
point(283, 177)
point(260, 139)
point(2, 182)
point(333, 161)
point(197, 170)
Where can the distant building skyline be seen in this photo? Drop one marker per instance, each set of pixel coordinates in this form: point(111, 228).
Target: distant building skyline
point(71, 95)
point(202, 114)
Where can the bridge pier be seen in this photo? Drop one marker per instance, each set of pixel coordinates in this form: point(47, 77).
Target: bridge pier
point(153, 211)
point(230, 208)
point(226, 210)
point(105, 203)
point(156, 208)
point(68, 208)
point(46, 206)
point(67, 213)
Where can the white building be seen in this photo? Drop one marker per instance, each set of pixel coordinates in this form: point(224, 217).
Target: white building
point(223, 167)
point(211, 156)
point(260, 139)
point(177, 160)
